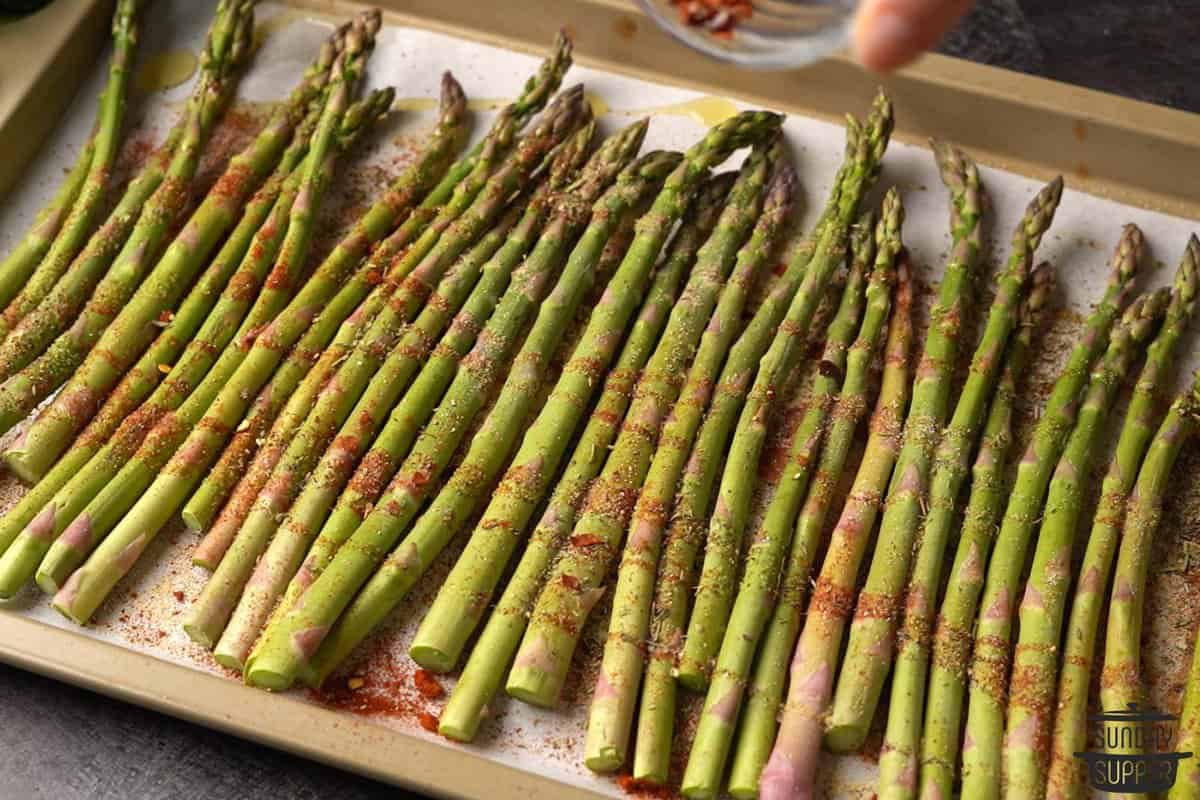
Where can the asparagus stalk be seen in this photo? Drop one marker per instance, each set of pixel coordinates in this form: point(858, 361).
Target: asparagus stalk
point(278, 661)
point(1035, 667)
point(767, 681)
point(467, 590)
point(754, 603)
point(985, 507)
point(89, 474)
point(1120, 680)
point(20, 263)
point(1121, 677)
point(861, 676)
point(791, 768)
point(1187, 780)
point(487, 456)
point(691, 506)
point(122, 251)
point(714, 593)
point(63, 227)
point(990, 660)
point(280, 562)
point(601, 247)
point(573, 583)
point(489, 660)
point(1070, 720)
point(125, 491)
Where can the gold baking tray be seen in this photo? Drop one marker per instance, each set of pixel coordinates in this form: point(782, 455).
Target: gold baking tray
point(1113, 147)
point(43, 57)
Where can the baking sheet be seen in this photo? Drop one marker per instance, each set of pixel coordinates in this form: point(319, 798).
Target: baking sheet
point(147, 609)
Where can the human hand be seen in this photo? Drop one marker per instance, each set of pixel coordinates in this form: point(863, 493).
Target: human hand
point(890, 33)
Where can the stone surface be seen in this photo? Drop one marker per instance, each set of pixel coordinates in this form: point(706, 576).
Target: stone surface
point(62, 743)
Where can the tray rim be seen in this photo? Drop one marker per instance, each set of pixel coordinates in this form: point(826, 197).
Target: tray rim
point(406, 759)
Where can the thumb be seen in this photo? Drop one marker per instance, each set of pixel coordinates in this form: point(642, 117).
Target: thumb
point(890, 33)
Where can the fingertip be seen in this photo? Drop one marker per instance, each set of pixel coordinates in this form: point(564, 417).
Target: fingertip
point(884, 41)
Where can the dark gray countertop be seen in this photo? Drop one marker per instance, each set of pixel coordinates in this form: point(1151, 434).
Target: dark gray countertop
point(62, 743)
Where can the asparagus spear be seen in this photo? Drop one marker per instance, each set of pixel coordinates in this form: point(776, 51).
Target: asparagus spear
point(767, 681)
point(791, 768)
point(990, 660)
point(714, 593)
point(466, 591)
point(602, 246)
point(52, 313)
point(952, 636)
point(70, 410)
point(1070, 720)
point(754, 602)
point(1121, 677)
point(20, 263)
point(1187, 780)
point(488, 453)
point(861, 676)
point(950, 466)
point(692, 503)
point(573, 583)
point(489, 660)
point(278, 662)
point(96, 458)
point(1120, 680)
point(1031, 688)
point(280, 562)
point(62, 228)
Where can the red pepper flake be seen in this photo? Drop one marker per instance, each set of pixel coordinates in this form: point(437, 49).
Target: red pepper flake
point(427, 685)
point(643, 788)
point(420, 478)
point(428, 721)
point(178, 597)
point(718, 17)
point(586, 540)
point(570, 581)
point(374, 277)
point(166, 315)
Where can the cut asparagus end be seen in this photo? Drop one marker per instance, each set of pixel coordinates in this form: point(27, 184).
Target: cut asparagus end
point(197, 525)
point(432, 657)
point(21, 465)
point(609, 759)
point(845, 737)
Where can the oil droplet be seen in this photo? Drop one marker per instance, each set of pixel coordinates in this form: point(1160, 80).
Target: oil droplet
point(165, 70)
point(707, 110)
point(487, 103)
point(599, 106)
point(414, 104)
